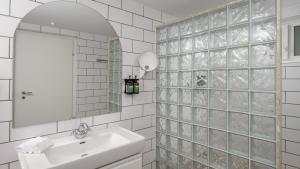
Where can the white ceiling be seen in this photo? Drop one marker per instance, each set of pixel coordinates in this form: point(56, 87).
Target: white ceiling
point(183, 8)
point(72, 16)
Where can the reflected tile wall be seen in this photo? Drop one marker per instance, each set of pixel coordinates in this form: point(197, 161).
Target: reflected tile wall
point(221, 74)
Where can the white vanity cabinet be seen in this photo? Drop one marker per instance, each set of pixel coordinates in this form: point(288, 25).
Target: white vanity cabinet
point(133, 162)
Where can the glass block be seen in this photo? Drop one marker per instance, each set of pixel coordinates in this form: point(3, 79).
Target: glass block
point(200, 98)
point(217, 159)
point(186, 27)
point(264, 31)
point(200, 60)
point(162, 124)
point(185, 163)
point(238, 79)
point(200, 79)
point(263, 55)
point(238, 101)
point(235, 162)
point(263, 79)
point(201, 42)
point(185, 130)
point(263, 103)
point(173, 47)
point(162, 49)
point(173, 79)
point(199, 165)
point(186, 79)
point(201, 23)
point(256, 165)
point(173, 111)
point(162, 34)
point(162, 154)
point(186, 62)
point(218, 18)
point(162, 94)
point(218, 99)
point(186, 44)
point(185, 96)
point(173, 63)
point(263, 8)
point(218, 58)
point(263, 127)
point(238, 57)
point(263, 151)
point(161, 109)
point(217, 119)
point(173, 143)
point(238, 122)
point(218, 79)
point(173, 95)
point(238, 144)
point(186, 113)
point(218, 139)
point(173, 127)
point(239, 35)
point(200, 116)
point(173, 31)
point(218, 39)
point(186, 148)
point(173, 160)
point(161, 139)
point(200, 135)
point(162, 63)
point(200, 153)
point(239, 12)
point(161, 165)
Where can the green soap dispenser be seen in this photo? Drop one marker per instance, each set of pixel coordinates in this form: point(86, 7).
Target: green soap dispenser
point(129, 86)
point(136, 86)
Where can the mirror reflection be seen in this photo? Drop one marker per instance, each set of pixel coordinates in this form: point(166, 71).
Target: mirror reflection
point(68, 65)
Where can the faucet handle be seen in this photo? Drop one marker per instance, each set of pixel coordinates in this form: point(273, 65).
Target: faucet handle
point(83, 126)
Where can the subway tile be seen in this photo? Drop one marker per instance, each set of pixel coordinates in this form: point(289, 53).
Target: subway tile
point(147, 146)
point(4, 166)
point(10, 152)
point(50, 29)
point(142, 22)
point(152, 13)
point(292, 147)
point(124, 123)
point(87, 36)
point(4, 7)
point(141, 47)
point(126, 72)
point(130, 59)
point(166, 18)
point(11, 49)
point(100, 51)
point(292, 72)
point(147, 166)
point(86, 50)
point(4, 89)
point(85, 93)
point(115, 3)
point(126, 99)
point(149, 36)
point(29, 26)
point(148, 133)
point(291, 159)
point(20, 8)
point(4, 47)
point(148, 157)
point(69, 32)
point(93, 44)
point(107, 118)
point(289, 167)
point(132, 32)
point(32, 131)
point(291, 110)
point(293, 123)
point(100, 38)
point(293, 97)
point(4, 130)
point(156, 24)
point(141, 123)
point(15, 165)
point(10, 25)
point(149, 109)
point(149, 85)
point(99, 7)
point(67, 125)
point(86, 107)
point(126, 44)
point(87, 120)
point(120, 16)
point(291, 135)
point(142, 98)
point(130, 112)
point(132, 6)
point(6, 68)
point(5, 110)
point(291, 85)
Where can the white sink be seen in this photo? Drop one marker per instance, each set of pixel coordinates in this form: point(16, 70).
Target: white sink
point(99, 148)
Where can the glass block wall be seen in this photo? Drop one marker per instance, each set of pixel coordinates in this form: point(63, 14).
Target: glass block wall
point(115, 76)
point(216, 89)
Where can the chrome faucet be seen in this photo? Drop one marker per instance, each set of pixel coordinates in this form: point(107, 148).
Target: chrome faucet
point(81, 131)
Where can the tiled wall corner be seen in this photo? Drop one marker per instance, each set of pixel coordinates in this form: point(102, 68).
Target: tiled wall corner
point(135, 24)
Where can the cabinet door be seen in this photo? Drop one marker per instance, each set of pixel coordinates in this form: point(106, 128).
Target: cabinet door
point(135, 164)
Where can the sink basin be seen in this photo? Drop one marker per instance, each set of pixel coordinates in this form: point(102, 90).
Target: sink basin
point(99, 148)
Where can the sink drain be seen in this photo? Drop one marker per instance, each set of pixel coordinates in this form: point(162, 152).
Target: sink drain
point(83, 155)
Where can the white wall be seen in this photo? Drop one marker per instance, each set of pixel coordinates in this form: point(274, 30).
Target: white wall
point(135, 24)
point(291, 97)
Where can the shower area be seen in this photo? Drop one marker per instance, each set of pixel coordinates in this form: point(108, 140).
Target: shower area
point(218, 89)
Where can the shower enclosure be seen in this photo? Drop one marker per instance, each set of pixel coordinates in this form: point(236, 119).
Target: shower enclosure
point(218, 89)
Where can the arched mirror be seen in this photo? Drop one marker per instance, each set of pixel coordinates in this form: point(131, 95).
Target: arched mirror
point(67, 65)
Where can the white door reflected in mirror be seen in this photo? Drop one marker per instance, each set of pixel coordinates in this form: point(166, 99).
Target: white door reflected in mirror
point(148, 62)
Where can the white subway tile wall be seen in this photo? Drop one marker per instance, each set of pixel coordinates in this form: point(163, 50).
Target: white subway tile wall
point(138, 111)
point(291, 116)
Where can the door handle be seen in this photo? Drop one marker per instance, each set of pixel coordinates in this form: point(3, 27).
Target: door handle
point(27, 93)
